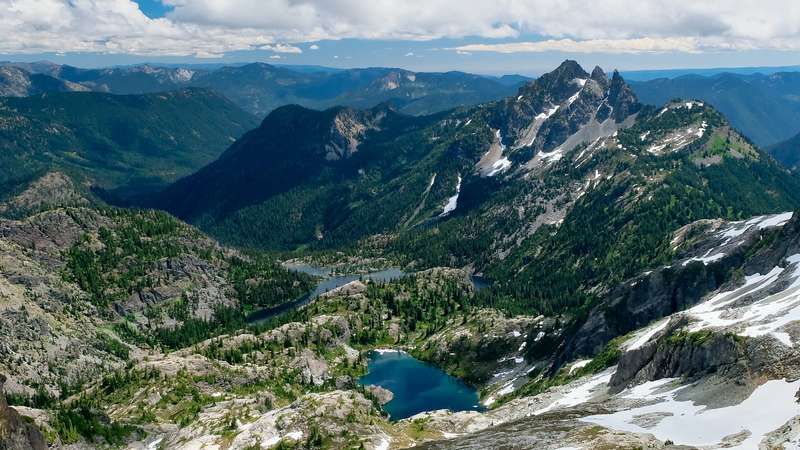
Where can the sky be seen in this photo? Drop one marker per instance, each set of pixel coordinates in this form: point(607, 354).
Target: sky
point(493, 37)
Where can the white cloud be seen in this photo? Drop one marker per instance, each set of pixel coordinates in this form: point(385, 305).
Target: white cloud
point(410, 54)
point(213, 27)
point(640, 45)
point(282, 48)
point(275, 57)
point(314, 47)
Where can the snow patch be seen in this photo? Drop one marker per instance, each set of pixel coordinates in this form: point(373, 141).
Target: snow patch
point(499, 166)
point(705, 259)
point(769, 407)
point(578, 365)
point(644, 336)
point(765, 316)
point(581, 394)
point(452, 202)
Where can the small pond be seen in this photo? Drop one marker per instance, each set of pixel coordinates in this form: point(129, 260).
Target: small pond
point(417, 386)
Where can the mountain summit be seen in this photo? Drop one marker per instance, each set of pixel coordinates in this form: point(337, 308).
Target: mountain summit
point(542, 161)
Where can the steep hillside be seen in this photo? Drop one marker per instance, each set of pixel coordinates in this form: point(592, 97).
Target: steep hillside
point(766, 108)
point(787, 152)
point(507, 188)
point(114, 141)
point(76, 280)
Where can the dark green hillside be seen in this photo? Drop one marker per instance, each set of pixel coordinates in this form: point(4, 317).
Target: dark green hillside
point(288, 183)
point(115, 141)
point(787, 152)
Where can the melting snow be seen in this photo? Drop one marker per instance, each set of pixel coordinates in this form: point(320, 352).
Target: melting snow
point(581, 394)
point(647, 334)
point(765, 316)
point(574, 97)
point(295, 435)
point(705, 259)
point(769, 407)
point(499, 166)
point(578, 365)
point(775, 221)
point(388, 350)
point(452, 202)
point(502, 163)
point(546, 114)
point(739, 228)
point(647, 390)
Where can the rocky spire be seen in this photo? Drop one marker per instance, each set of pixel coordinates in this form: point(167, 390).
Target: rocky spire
point(622, 98)
point(599, 76)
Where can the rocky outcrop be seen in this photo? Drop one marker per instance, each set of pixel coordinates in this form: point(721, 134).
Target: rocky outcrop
point(706, 260)
point(347, 131)
point(15, 432)
point(383, 395)
point(692, 355)
point(52, 190)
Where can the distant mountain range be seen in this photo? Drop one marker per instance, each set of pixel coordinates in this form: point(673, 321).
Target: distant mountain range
point(259, 88)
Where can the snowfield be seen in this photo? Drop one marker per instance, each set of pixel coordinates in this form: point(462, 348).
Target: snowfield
point(686, 423)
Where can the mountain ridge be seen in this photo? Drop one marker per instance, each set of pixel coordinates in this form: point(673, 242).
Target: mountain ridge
point(260, 87)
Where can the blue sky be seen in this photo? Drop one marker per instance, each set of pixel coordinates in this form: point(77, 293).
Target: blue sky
point(153, 8)
point(503, 36)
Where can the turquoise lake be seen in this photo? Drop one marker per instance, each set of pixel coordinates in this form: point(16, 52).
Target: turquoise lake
point(417, 386)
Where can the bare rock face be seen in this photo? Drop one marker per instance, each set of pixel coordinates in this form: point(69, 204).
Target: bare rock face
point(383, 395)
point(16, 433)
point(312, 368)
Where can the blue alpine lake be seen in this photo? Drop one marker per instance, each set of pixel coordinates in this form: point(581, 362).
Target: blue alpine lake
point(417, 386)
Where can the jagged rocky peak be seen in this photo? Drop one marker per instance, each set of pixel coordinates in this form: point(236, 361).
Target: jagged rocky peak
point(556, 85)
point(599, 75)
point(622, 98)
point(565, 108)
